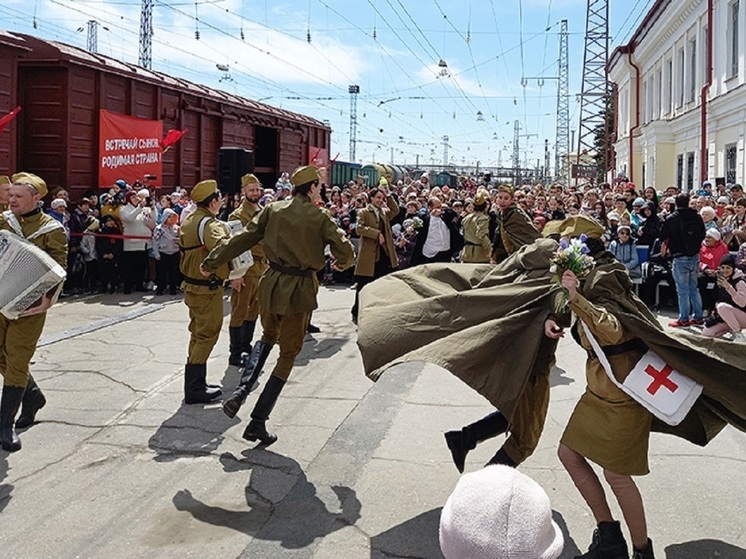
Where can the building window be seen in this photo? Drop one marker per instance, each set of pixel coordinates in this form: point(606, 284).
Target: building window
point(681, 75)
point(679, 171)
point(668, 100)
point(732, 37)
point(657, 98)
point(692, 69)
point(689, 171)
point(731, 155)
point(644, 99)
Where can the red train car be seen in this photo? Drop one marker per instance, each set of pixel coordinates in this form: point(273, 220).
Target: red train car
point(61, 89)
point(11, 49)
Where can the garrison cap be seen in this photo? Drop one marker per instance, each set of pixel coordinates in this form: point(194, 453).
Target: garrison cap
point(4, 179)
point(248, 179)
point(481, 197)
point(506, 188)
point(203, 189)
point(305, 174)
point(37, 183)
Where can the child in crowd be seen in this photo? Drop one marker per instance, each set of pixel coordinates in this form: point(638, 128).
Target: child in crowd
point(109, 249)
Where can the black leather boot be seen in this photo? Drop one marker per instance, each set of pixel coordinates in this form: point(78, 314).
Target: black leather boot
point(461, 442)
point(251, 372)
point(9, 404)
point(644, 553)
point(247, 334)
point(33, 401)
point(608, 543)
point(256, 430)
point(501, 458)
point(234, 347)
point(196, 390)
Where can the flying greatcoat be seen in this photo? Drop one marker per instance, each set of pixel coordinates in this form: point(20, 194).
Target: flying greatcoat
point(484, 323)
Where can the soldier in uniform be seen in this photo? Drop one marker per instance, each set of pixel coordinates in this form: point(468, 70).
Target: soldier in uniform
point(4, 192)
point(19, 337)
point(527, 422)
point(476, 225)
point(200, 233)
point(244, 303)
point(377, 253)
point(294, 233)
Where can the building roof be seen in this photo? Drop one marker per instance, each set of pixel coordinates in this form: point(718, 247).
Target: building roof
point(651, 18)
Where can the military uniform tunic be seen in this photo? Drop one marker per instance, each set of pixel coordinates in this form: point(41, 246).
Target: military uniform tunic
point(19, 337)
point(205, 301)
point(477, 246)
point(244, 303)
point(295, 233)
point(514, 230)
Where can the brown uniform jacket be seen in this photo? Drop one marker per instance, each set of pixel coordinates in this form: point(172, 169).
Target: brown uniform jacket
point(477, 245)
point(245, 213)
point(54, 243)
point(514, 230)
point(368, 228)
point(194, 248)
point(295, 233)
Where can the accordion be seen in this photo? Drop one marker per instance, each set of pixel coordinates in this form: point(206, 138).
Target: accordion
point(27, 274)
point(241, 263)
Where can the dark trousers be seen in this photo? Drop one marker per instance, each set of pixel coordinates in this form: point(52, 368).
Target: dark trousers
point(167, 272)
point(134, 264)
point(109, 273)
point(382, 267)
point(442, 256)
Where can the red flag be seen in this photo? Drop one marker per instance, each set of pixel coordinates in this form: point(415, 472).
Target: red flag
point(172, 137)
point(4, 121)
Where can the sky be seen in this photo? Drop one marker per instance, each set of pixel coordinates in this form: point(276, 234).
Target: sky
point(303, 55)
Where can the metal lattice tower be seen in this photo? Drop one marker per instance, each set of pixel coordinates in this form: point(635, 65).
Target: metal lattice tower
point(353, 90)
point(562, 141)
point(516, 149)
point(445, 151)
point(146, 33)
point(595, 88)
point(92, 38)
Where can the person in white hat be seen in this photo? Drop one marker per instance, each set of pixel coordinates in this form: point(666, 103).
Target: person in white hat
point(499, 513)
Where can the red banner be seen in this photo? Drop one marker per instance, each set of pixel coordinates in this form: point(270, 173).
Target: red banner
point(4, 121)
point(320, 158)
point(129, 148)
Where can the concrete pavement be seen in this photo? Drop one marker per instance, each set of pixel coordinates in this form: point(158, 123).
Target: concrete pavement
point(118, 467)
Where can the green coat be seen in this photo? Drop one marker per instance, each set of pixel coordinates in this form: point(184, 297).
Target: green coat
point(514, 230)
point(368, 228)
point(477, 245)
point(295, 233)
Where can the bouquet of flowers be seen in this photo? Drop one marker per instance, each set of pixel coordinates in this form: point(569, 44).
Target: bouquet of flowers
point(416, 223)
point(574, 256)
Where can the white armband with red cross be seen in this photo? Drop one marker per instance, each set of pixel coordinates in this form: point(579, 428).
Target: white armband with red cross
point(654, 384)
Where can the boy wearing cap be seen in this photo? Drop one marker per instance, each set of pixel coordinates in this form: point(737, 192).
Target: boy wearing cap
point(19, 336)
point(295, 233)
point(244, 304)
point(200, 233)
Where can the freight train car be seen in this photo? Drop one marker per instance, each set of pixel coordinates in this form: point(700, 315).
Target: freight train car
point(11, 49)
point(62, 88)
point(343, 172)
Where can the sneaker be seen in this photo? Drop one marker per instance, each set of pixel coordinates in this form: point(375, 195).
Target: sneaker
point(739, 337)
point(697, 321)
point(678, 323)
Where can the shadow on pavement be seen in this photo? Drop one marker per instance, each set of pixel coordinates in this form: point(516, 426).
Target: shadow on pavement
point(558, 377)
point(319, 349)
point(570, 549)
point(704, 549)
point(414, 538)
point(283, 505)
point(5, 489)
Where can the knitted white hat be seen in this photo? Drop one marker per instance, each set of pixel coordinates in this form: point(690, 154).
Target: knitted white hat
point(499, 513)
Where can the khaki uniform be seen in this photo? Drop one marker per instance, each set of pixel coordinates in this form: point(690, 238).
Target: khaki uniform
point(205, 301)
point(514, 230)
point(477, 247)
point(607, 426)
point(18, 337)
point(369, 226)
point(294, 233)
point(244, 303)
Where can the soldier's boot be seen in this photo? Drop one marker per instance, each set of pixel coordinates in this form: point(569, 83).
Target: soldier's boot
point(644, 553)
point(251, 372)
point(501, 457)
point(33, 401)
point(608, 543)
point(256, 430)
point(466, 439)
point(234, 347)
point(247, 334)
point(9, 404)
point(196, 390)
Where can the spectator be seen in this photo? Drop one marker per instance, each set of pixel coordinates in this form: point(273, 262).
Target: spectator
point(731, 302)
point(58, 210)
point(684, 232)
point(734, 227)
point(709, 217)
point(138, 222)
point(625, 250)
point(405, 236)
point(166, 253)
point(439, 239)
point(109, 249)
point(650, 225)
point(712, 250)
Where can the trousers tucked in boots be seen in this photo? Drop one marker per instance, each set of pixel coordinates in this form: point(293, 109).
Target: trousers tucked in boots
point(247, 334)
point(33, 401)
point(251, 372)
point(461, 442)
point(608, 543)
point(234, 347)
point(9, 404)
point(257, 429)
point(196, 390)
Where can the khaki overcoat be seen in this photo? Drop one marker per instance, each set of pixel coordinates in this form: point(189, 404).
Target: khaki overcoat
point(368, 228)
